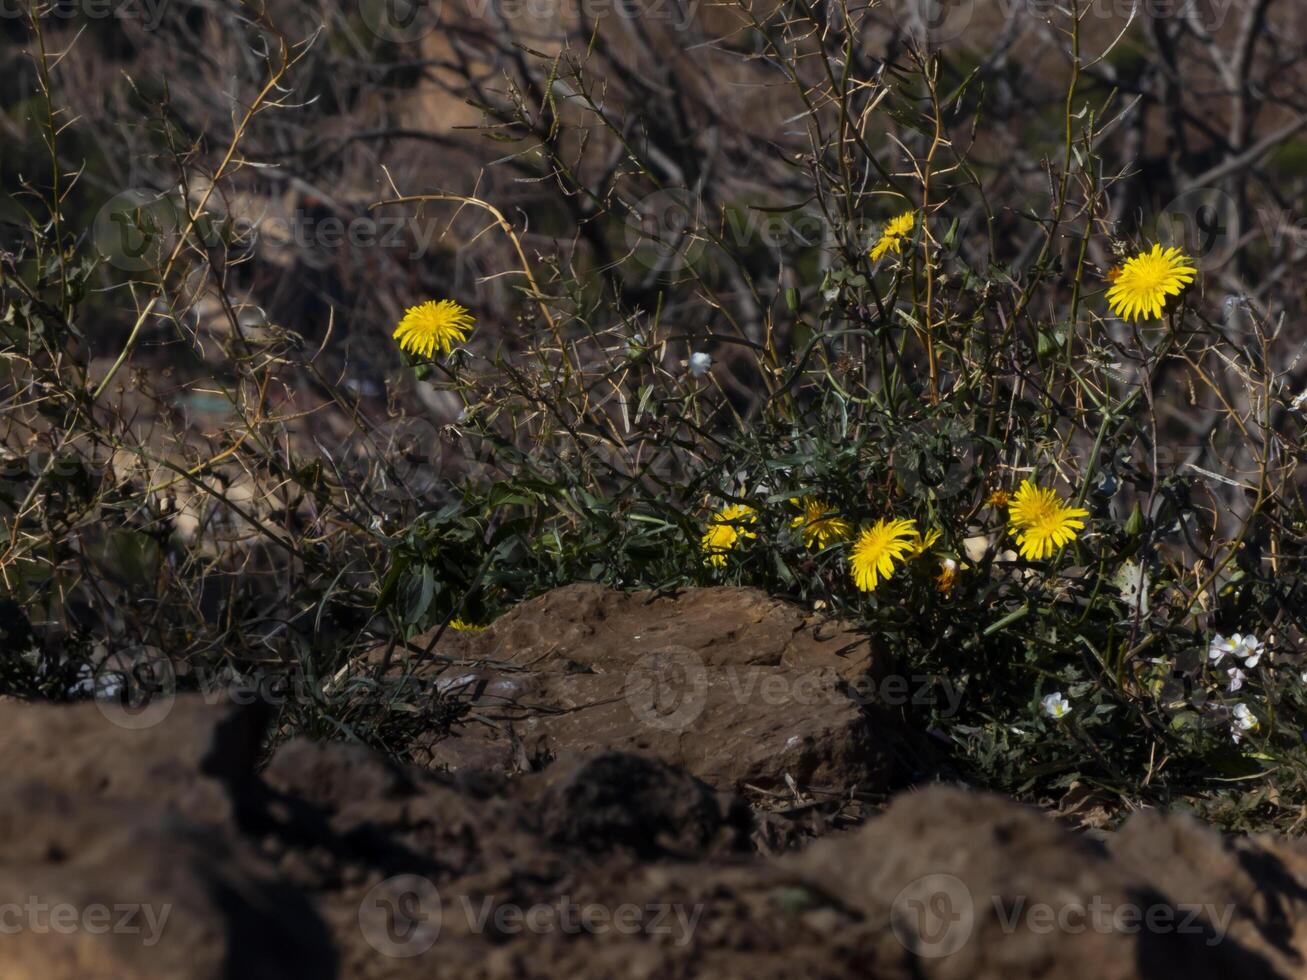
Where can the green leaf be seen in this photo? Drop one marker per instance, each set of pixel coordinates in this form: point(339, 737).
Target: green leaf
point(419, 592)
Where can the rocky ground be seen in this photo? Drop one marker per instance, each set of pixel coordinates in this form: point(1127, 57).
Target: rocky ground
point(643, 786)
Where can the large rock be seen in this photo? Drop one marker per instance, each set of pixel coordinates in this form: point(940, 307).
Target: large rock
point(166, 855)
point(956, 884)
point(121, 858)
point(1256, 888)
point(186, 754)
point(741, 690)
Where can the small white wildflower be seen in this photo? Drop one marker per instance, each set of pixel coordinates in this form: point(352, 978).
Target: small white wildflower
point(1244, 720)
point(700, 363)
point(1220, 646)
point(1237, 677)
point(1248, 647)
point(1055, 706)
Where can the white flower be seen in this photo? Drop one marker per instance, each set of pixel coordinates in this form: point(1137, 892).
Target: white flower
point(1244, 721)
point(699, 363)
point(1055, 706)
point(1220, 646)
point(1236, 678)
point(1248, 647)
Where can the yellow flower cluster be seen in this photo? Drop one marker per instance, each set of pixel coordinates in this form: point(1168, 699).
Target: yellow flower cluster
point(1144, 286)
point(1038, 518)
point(874, 554)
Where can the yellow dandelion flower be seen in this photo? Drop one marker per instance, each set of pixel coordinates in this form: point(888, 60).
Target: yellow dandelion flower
point(820, 524)
point(948, 576)
point(1143, 286)
point(999, 498)
point(462, 627)
point(726, 528)
point(877, 549)
point(1041, 522)
point(924, 543)
point(433, 326)
point(891, 239)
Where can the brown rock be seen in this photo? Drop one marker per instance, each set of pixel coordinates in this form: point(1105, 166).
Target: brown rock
point(619, 800)
point(91, 887)
point(972, 885)
point(596, 628)
point(737, 688)
point(338, 862)
point(191, 756)
point(1254, 890)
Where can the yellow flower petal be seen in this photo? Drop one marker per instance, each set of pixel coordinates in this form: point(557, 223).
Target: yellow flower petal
point(1041, 522)
point(726, 529)
point(820, 524)
point(433, 325)
point(877, 549)
point(891, 239)
point(1143, 285)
